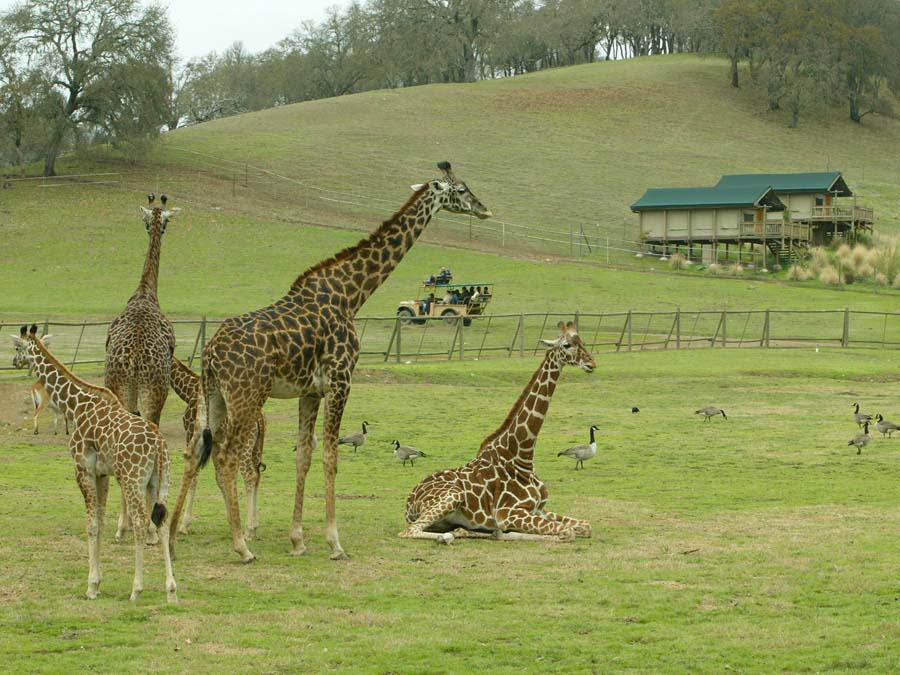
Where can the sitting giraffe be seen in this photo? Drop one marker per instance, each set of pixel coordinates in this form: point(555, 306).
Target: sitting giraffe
point(186, 383)
point(497, 495)
point(41, 400)
point(107, 440)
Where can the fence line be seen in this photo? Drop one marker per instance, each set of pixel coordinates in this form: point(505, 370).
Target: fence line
point(396, 340)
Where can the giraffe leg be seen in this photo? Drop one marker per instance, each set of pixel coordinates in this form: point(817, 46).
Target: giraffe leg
point(251, 467)
point(582, 528)
point(308, 410)
point(171, 587)
point(432, 511)
point(189, 505)
point(226, 461)
point(334, 411)
point(40, 402)
point(528, 526)
point(124, 522)
point(88, 485)
point(188, 482)
point(134, 497)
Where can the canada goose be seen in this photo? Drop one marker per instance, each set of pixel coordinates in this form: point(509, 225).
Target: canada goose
point(406, 452)
point(355, 439)
point(885, 427)
point(635, 409)
point(582, 452)
point(862, 440)
point(859, 417)
point(710, 411)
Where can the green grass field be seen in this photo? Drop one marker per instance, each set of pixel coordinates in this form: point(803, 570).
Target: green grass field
point(758, 544)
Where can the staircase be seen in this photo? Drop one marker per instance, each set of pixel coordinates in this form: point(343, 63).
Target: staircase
point(786, 255)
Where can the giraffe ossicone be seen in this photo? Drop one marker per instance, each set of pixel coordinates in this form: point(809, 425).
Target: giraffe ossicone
point(497, 495)
point(303, 346)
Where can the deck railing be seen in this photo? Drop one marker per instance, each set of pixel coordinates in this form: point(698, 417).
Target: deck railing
point(843, 212)
point(771, 230)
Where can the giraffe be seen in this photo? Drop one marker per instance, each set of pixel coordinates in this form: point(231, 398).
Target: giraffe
point(497, 494)
point(107, 439)
point(41, 400)
point(141, 340)
point(186, 383)
point(304, 346)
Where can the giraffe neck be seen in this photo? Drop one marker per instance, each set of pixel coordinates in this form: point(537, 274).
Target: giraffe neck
point(147, 286)
point(514, 440)
point(65, 389)
point(357, 272)
point(185, 382)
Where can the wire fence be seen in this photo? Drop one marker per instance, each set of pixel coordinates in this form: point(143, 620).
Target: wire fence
point(397, 340)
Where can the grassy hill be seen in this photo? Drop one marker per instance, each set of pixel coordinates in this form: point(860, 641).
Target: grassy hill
point(566, 148)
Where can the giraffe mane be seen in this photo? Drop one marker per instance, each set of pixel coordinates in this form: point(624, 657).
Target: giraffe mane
point(348, 252)
point(103, 392)
point(515, 408)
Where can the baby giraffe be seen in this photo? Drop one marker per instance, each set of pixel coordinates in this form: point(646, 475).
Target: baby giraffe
point(107, 440)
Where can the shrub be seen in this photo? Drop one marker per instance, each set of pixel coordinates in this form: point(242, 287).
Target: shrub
point(896, 282)
point(798, 273)
point(829, 277)
point(887, 255)
point(736, 270)
point(881, 279)
point(843, 251)
point(678, 262)
point(864, 269)
point(715, 269)
point(859, 255)
point(818, 260)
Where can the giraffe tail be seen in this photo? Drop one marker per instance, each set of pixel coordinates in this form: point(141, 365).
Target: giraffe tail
point(206, 451)
point(159, 514)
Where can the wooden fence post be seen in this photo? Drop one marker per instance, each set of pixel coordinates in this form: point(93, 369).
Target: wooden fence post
point(724, 328)
point(399, 329)
point(521, 336)
point(845, 336)
point(77, 345)
point(628, 319)
point(764, 340)
point(678, 328)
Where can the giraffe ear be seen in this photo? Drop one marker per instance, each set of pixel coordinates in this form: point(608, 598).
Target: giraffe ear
point(417, 187)
point(147, 212)
point(17, 341)
point(46, 340)
point(171, 213)
point(550, 343)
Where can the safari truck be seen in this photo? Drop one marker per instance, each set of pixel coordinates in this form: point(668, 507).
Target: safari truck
point(437, 299)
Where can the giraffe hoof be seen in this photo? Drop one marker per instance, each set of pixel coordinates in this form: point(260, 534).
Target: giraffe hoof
point(566, 535)
point(184, 529)
point(446, 538)
point(135, 594)
point(93, 591)
point(583, 530)
point(339, 555)
point(248, 558)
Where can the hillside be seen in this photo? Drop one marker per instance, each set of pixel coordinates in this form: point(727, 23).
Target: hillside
point(558, 148)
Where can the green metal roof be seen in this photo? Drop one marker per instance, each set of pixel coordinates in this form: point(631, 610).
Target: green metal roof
point(708, 198)
point(786, 183)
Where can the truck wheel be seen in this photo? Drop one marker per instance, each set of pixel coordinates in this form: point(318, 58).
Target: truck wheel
point(405, 315)
point(450, 317)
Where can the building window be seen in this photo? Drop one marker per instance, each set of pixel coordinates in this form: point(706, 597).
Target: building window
point(820, 201)
point(749, 216)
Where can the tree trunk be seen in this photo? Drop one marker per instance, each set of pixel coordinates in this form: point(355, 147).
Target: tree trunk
point(733, 57)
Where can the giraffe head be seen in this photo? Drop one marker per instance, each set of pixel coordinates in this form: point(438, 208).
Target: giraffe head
point(573, 351)
point(157, 217)
point(454, 195)
point(26, 347)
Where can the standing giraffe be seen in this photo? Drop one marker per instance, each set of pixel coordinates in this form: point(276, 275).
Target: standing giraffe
point(304, 346)
point(107, 440)
point(186, 383)
point(140, 341)
point(497, 494)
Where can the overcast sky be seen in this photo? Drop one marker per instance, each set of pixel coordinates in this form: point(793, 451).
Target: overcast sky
point(202, 26)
